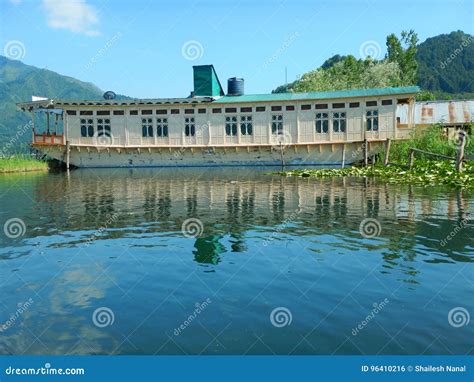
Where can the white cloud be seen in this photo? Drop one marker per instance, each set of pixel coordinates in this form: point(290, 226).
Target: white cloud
point(73, 15)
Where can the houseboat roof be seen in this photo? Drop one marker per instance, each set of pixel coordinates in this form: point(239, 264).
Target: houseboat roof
point(352, 93)
point(273, 97)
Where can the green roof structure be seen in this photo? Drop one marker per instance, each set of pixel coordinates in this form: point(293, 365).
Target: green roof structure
point(206, 82)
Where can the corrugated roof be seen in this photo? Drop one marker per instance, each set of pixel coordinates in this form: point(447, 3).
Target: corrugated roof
point(448, 112)
point(318, 95)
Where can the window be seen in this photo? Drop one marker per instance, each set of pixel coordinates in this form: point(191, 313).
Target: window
point(386, 102)
point(71, 112)
point(119, 112)
point(339, 122)
point(231, 110)
point(246, 125)
point(188, 111)
point(147, 112)
point(174, 111)
point(322, 123)
point(354, 104)
point(103, 127)
point(189, 127)
point(305, 107)
point(133, 112)
point(276, 108)
point(372, 120)
point(216, 110)
point(322, 106)
point(102, 112)
point(162, 127)
point(231, 126)
point(85, 112)
point(245, 109)
point(260, 108)
point(341, 105)
point(290, 108)
point(371, 103)
point(162, 111)
point(202, 111)
point(147, 127)
point(87, 128)
point(277, 124)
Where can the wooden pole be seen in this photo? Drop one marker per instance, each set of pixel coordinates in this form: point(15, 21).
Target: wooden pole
point(68, 150)
point(281, 157)
point(460, 153)
point(366, 152)
point(343, 155)
point(411, 158)
point(387, 152)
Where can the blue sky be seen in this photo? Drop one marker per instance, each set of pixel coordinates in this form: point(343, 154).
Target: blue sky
point(147, 48)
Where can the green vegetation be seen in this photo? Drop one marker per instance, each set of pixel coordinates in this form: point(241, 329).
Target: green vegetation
point(21, 164)
point(442, 66)
point(425, 172)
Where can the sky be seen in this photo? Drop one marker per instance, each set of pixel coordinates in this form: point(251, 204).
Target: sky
point(146, 48)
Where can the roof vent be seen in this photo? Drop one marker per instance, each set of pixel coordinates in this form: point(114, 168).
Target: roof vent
point(109, 95)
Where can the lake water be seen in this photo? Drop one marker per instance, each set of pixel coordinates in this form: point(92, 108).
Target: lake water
point(232, 262)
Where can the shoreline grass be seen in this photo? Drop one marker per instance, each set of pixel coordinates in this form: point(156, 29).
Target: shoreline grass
point(19, 163)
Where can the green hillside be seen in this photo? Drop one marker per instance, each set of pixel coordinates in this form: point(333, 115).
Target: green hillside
point(18, 82)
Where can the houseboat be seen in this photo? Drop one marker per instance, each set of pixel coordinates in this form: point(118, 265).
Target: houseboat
point(211, 128)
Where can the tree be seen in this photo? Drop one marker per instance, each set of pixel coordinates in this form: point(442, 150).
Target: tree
point(403, 52)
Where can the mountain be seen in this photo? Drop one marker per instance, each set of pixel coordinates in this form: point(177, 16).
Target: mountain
point(445, 68)
point(446, 63)
point(18, 82)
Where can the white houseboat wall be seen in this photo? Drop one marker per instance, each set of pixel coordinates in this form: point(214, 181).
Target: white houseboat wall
point(212, 129)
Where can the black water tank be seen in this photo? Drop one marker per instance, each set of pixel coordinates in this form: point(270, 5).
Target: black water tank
point(235, 86)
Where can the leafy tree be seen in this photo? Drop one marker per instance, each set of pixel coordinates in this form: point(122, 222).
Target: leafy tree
point(403, 52)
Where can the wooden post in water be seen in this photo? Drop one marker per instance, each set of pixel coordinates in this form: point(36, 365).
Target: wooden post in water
point(343, 155)
point(366, 152)
point(68, 150)
point(281, 158)
point(460, 153)
point(411, 158)
point(387, 151)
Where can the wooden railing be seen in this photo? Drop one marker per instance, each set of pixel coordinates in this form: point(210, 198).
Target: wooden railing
point(48, 139)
